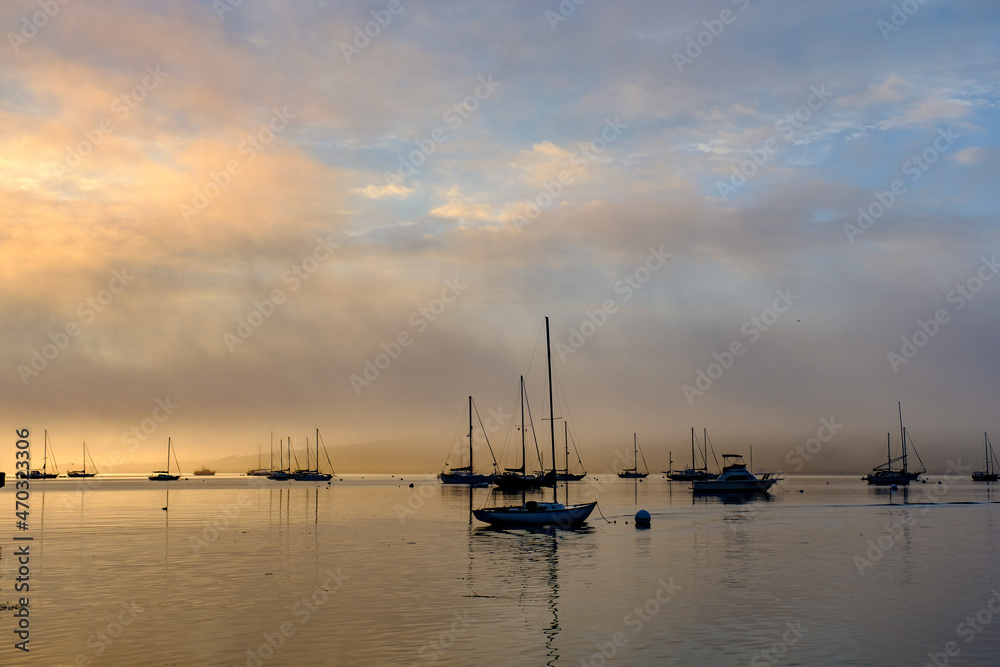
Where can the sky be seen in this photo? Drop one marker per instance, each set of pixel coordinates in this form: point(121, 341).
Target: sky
point(773, 221)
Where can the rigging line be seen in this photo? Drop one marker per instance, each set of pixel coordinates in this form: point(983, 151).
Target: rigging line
point(598, 508)
point(325, 453)
point(486, 435)
point(455, 437)
point(564, 405)
point(534, 437)
point(642, 455)
point(915, 450)
point(716, 458)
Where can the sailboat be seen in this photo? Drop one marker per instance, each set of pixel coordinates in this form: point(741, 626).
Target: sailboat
point(465, 474)
point(164, 475)
point(565, 475)
point(259, 471)
point(990, 474)
point(517, 479)
point(43, 473)
point(694, 473)
point(310, 475)
point(84, 473)
point(884, 474)
point(633, 472)
point(282, 474)
point(532, 513)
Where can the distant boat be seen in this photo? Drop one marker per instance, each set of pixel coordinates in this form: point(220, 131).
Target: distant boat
point(204, 472)
point(694, 472)
point(885, 474)
point(164, 475)
point(310, 475)
point(465, 474)
point(990, 473)
point(43, 473)
point(259, 471)
point(518, 479)
point(563, 474)
point(84, 473)
point(283, 474)
point(532, 513)
point(633, 472)
point(735, 478)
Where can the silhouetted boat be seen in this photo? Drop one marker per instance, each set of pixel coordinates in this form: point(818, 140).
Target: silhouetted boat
point(694, 472)
point(204, 472)
point(517, 479)
point(885, 474)
point(283, 474)
point(164, 475)
point(310, 475)
point(84, 473)
point(564, 475)
point(44, 473)
point(259, 471)
point(465, 474)
point(533, 513)
point(633, 472)
point(990, 473)
point(735, 478)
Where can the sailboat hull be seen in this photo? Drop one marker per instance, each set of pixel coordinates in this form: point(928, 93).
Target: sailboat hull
point(888, 478)
point(464, 478)
point(80, 473)
point(633, 475)
point(536, 514)
point(163, 477)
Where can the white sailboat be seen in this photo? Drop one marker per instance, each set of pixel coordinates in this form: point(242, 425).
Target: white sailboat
point(164, 475)
point(533, 513)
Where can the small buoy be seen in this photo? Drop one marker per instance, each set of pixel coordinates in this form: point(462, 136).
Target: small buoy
point(894, 488)
point(802, 491)
point(939, 481)
point(642, 519)
point(411, 485)
point(164, 509)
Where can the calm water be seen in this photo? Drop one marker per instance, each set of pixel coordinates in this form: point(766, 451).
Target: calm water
point(369, 571)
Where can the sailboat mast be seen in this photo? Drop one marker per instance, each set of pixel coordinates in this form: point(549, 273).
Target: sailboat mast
point(317, 450)
point(566, 443)
point(902, 432)
point(552, 416)
point(694, 464)
point(471, 468)
point(635, 451)
point(168, 455)
point(705, 445)
point(524, 463)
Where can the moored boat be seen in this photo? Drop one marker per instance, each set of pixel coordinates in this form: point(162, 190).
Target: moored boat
point(633, 472)
point(532, 513)
point(735, 478)
point(164, 475)
point(465, 474)
point(84, 473)
point(884, 474)
point(989, 474)
point(203, 471)
point(44, 473)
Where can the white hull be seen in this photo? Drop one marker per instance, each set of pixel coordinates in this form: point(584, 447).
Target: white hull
point(536, 514)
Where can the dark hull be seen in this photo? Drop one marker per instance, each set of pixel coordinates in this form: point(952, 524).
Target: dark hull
point(464, 478)
point(517, 482)
point(536, 514)
point(78, 473)
point(884, 478)
point(690, 476)
point(985, 476)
